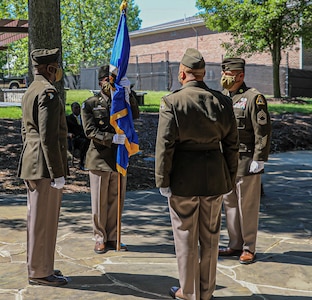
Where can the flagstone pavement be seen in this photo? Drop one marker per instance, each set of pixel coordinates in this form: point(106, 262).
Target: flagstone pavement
point(282, 271)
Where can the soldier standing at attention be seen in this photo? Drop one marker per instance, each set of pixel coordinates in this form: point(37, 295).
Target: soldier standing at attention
point(196, 162)
point(242, 204)
point(43, 165)
point(101, 162)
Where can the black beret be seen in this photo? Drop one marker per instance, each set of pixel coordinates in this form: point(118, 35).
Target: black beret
point(193, 59)
point(44, 56)
point(233, 63)
point(103, 72)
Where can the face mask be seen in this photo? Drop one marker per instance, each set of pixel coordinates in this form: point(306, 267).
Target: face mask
point(106, 87)
point(58, 73)
point(227, 81)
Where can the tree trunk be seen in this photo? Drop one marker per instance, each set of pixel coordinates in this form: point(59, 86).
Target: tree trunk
point(44, 30)
point(276, 60)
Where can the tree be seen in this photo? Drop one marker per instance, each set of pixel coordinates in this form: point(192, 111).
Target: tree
point(17, 10)
point(44, 25)
point(260, 26)
point(88, 29)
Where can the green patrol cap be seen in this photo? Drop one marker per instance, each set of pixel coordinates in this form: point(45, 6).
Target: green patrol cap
point(233, 63)
point(193, 59)
point(44, 56)
point(103, 72)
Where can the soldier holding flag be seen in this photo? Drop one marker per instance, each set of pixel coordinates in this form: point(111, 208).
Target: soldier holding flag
point(101, 162)
point(107, 121)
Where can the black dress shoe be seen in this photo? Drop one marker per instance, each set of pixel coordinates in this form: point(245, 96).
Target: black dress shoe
point(51, 280)
point(112, 245)
point(226, 251)
point(57, 273)
point(172, 292)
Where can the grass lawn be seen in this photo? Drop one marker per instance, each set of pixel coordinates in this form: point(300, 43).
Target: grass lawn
point(151, 104)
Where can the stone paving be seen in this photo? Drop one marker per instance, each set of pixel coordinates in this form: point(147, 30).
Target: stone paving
point(282, 271)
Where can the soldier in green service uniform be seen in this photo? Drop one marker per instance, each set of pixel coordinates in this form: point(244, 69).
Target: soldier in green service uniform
point(241, 205)
point(101, 162)
point(196, 162)
point(43, 165)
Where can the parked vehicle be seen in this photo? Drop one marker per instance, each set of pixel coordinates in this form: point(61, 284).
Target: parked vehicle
point(12, 82)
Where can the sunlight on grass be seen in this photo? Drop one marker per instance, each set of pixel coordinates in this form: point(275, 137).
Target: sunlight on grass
point(152, 102)
point(10, 112)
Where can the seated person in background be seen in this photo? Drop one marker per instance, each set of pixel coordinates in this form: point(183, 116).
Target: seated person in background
point(76, 136)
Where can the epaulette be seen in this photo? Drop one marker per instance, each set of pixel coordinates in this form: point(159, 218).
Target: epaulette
point(254, 91)
point(175, 91)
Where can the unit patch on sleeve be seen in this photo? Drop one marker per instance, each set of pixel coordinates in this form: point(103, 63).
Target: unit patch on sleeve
point(260, 100)
point(262, 118)
point(50, 94)
point(163, 104)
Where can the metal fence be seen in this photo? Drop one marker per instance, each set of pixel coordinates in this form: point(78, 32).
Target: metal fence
point(146, 74)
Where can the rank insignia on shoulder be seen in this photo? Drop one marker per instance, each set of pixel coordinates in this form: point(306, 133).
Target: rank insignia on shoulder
point(262, 118)
point(260, 100)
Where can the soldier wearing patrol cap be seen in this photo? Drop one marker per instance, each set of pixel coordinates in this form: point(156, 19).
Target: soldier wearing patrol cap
point(43, 165)
point(101, 162)
point(196, 162)
point(241, 205)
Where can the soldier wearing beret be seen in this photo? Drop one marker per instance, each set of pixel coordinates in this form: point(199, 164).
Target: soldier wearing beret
point(101, 162)
point(242, 204)
point(43, 165)
point(196, 162)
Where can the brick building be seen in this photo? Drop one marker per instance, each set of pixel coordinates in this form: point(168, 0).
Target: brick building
point(176, 36)
point(167, 43)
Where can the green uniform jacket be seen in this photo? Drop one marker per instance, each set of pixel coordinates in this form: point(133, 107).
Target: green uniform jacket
point(44, 133)
point(197, 142)
point(101, 155)
point(254, 127)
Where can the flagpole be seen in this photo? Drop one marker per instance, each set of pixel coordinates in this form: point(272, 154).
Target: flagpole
point(119, 213)
point(121, 117)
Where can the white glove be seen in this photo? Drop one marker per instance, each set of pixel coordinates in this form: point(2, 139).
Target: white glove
point(119, 139)
point(124, 82)
point(166, 192)
point(256, 166)
point(228, 193)
point(58, 183)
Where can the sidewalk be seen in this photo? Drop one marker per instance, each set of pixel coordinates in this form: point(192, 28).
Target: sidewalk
point(282, 271)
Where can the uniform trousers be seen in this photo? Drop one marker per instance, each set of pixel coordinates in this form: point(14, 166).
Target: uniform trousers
point(196, 231)
point(242, 212)
point(104, 203)
point(43, 209)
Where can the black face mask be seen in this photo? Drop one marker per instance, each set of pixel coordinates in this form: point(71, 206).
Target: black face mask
point(106, 88)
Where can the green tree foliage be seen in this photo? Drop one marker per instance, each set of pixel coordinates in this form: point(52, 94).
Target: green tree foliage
point(16, 53)
point(260, 26)
point(89, 28)
point(88, 31)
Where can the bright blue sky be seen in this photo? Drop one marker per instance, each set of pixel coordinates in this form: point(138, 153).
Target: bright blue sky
point(154, 12)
